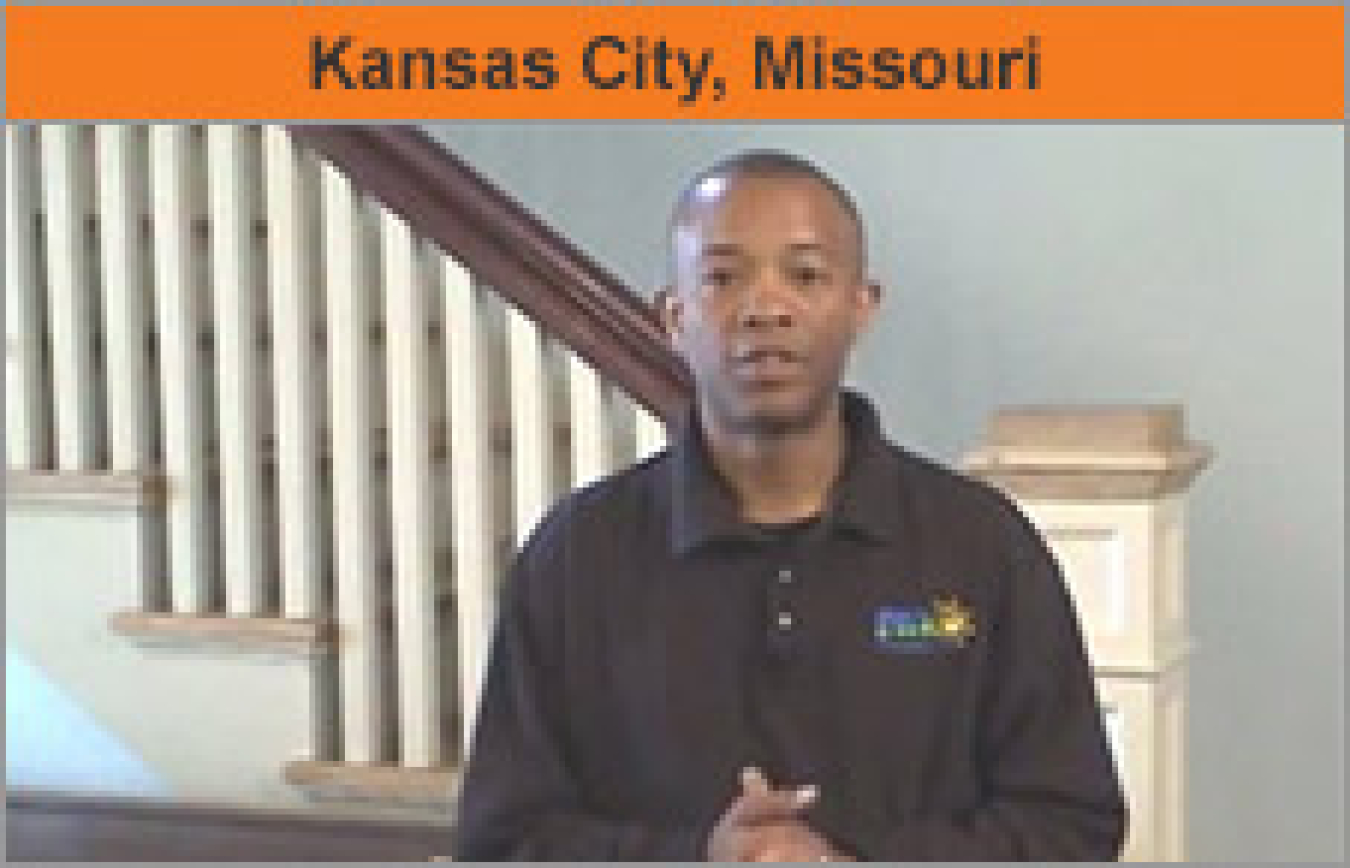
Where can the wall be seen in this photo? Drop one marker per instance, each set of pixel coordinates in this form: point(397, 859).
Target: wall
point(90, 711)
point(1041, 263)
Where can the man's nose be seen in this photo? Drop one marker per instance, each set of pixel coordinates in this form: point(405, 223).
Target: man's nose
point(766, 304)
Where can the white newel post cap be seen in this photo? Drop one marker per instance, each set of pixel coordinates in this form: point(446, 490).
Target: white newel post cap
point(1123, 452)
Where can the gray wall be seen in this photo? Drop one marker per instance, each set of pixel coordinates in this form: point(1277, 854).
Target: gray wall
point(1203, 264)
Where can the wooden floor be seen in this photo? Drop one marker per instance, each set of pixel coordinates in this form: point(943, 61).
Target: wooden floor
point(48, 827)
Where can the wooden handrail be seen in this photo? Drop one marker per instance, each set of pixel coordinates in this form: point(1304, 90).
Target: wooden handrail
point(514, 252)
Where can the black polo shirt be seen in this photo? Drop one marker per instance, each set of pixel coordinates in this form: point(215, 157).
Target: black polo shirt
point(914, 653)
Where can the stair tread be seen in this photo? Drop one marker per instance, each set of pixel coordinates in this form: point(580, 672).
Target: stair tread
point(297, 635)
point(64, 487)
point(376, 781)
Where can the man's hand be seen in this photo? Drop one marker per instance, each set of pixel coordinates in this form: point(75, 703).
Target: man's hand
point(764, 825)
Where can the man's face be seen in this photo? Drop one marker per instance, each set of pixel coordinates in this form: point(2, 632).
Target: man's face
point(769, 297)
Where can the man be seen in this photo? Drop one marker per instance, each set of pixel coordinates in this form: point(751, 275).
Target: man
point(785, 639)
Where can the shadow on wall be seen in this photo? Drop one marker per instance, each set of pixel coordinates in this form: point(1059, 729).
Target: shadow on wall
point(52, 743)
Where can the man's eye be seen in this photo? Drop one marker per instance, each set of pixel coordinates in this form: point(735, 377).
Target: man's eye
point(808, 276)
point(719, 277)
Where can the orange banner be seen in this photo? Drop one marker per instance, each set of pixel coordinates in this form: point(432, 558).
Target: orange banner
point(682, 62)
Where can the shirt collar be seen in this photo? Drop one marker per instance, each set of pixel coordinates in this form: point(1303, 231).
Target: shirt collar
point(865, 498)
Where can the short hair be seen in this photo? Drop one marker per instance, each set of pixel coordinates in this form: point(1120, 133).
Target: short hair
point(767, 163)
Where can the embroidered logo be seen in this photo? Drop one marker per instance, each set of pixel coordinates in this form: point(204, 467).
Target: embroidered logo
point(945, 624)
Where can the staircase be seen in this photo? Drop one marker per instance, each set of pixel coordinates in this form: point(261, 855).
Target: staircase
point(282, 403)
point(296, 440)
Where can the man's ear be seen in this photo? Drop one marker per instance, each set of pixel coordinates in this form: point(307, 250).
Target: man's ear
point(669, 308)
point(869, 303)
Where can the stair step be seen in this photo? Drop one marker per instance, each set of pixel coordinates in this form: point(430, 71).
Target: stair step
point(376, 782)
point(63, 488)
point(285, 635)
point(46, 826)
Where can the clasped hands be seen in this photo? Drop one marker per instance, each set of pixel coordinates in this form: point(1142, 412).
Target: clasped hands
point(764, 824)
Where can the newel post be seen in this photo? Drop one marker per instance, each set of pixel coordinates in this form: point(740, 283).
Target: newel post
point(1107, 486)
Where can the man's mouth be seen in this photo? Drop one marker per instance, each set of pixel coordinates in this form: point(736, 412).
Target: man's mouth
point(768, 363)
point(761, 351)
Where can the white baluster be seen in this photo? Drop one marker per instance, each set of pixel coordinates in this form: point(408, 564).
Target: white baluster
point(27, 411)
point(66, 196)
point(411, 496)
point(121, 176)
point(238, 370)
point(650, 432)
point(181, 365)
point(468, 380)
point(592, 428)
point(293, 295)
point(355, 494)
point(531, 423)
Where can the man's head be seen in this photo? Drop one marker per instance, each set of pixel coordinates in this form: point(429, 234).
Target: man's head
point(768, 288)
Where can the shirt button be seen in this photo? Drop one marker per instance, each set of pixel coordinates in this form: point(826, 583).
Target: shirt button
point(785, 576)
point(785, 620)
